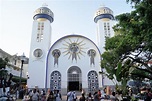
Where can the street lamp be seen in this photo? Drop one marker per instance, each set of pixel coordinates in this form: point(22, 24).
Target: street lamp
point(22, 58)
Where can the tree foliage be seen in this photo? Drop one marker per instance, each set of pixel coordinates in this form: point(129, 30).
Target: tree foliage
point(132, 44)
point(3, 63)
point(3, 72)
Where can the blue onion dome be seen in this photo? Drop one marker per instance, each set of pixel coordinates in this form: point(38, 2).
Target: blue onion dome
point(43, 13)
point(103, 12)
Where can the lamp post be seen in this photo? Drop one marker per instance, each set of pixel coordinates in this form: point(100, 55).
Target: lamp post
point(22, 58)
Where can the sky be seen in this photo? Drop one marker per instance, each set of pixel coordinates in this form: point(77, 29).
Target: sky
point(70, 17)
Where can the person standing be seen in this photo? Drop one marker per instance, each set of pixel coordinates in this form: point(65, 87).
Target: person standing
point(50, 96)
point(35, 95)
point(70, 96)
point(82, 98)
point(83, 91)
point(74, 96)
point(149, 93)
point(89, 97)
point(43, 95)
point(96, 96)
point(113, 97)
point(58, 96)
point(17, 93)
point(119, 95)
point(99, 94)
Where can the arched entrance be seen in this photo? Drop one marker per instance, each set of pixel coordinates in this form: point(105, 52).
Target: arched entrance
point(74, 77)
point(55, 82)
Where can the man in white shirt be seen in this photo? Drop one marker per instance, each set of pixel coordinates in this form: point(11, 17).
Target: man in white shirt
point(70, 96)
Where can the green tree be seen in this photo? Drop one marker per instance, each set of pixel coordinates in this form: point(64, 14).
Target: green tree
point(3, 73)
point(3, 63)
point(132, 44)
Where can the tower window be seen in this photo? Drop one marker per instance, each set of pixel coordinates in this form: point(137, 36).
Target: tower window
point(105, 28)
point(40, 31)
point(108, 25)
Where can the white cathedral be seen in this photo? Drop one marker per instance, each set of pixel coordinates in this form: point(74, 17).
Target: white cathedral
point(73, 61)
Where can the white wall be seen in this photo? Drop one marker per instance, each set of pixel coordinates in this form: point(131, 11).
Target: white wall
point(37, 66)
point(65, 62)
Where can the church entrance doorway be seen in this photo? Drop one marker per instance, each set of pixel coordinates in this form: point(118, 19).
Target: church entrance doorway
point(74, 78)
point(73, 86)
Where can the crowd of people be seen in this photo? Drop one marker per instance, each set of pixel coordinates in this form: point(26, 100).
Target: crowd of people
point(145, 94)
point(93, 96)
point(98, 95)
point(37, 95)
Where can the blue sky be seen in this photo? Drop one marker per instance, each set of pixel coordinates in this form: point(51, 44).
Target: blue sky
point(70, 17)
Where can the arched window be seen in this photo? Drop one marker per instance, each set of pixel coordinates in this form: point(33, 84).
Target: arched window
point(55, 82)
point(93, 84)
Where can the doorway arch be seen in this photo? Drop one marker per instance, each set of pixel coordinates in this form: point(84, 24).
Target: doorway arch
point(74, 78)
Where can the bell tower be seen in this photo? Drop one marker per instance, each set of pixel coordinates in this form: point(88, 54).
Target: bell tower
point(40, 44)
point(105, 21)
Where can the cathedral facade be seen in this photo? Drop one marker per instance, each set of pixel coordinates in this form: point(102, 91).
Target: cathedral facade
point(73, 61)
